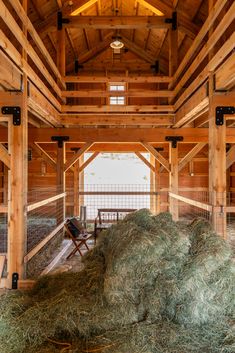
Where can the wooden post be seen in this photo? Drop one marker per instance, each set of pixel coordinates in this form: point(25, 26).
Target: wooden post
point(173, 182)
point(17, 213)
point(152, 187)
point(76, 189)
point(173, 51)
point(81, 183)
point(60, 181)
point(158, 186)
point(217, 166)
point(18, 182)
point(61, 58)
point(5, 184)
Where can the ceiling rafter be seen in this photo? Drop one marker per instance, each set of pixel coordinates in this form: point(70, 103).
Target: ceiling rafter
point(83, 7)
point(50, 22)
point(137, 50)
point(93, 52)
point(185, 23)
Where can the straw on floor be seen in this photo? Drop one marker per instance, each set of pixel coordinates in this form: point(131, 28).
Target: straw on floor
point(150, 285)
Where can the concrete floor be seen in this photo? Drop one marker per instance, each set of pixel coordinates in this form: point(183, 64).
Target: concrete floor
point(74, 264)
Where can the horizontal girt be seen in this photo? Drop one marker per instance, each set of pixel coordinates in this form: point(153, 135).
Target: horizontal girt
point(190, 135)
point(121, 78)
point(112, 22)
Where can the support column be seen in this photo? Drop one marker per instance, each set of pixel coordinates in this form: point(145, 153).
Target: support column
point(61, 58)
point(173, 181)
point(81, 183)
point(217, 166)
point(76, 189)
point(158, 186)
point(153, 186)
point(60, 181)
point(17, 202)
point(173, 51)
point(5, 184)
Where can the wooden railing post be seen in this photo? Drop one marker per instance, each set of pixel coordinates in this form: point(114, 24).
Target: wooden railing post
point(173, 181)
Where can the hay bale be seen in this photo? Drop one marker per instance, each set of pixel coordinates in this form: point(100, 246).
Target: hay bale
point(150, 285)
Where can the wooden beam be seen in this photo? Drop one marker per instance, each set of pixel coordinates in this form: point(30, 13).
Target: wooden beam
point(188, 201)
point(185, 23)
point(18, 177)
point(15, 56)
point(60, 182)
point(33, 33)
point(42, 153)
point(230, 157)
point(193, 107)
point(20, 36)
point(137, 50)
point(77, 155)
point(217, 165)
point(211, 66)
point(130, 93)
point(39, 246)
point(88, 161)
point(4, 155)
point(117, 119)
point(95, 50)
point(42, 108)
point(50, 22)
point(156, 155)
point(112, 78)
point(117, 108)
point(113, 22)
point(174, 181)
point(220, 29)
point(61, 55)
point(148, 6)
point(3, 208)
point(225, 75)
point(173, 51)
point(200, 36)
point(2, 264)
point(116, 134)
point(38, 204)
point(146, 162)
point(57, 259)
point(83, 7)
point(190, 155)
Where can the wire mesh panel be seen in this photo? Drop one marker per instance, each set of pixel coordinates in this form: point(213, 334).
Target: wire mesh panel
point(3, 232)
point(230, 200)
point(127, 196)
point(43, 220)
point(189, 212)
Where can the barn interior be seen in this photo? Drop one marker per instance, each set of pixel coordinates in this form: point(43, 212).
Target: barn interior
point(81, 78)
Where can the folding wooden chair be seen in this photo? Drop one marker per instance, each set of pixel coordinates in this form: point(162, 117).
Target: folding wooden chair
point(78, 235)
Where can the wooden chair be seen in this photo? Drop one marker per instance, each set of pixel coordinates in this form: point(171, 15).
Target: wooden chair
point(78, 235)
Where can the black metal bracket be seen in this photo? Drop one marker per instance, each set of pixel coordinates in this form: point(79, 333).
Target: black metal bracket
point(174, 140)
point(15, 278)
point(61, 20)
point(173, 21)
point(77, 66)
point(220, 111)
point(60, 140)
point(75, 149)
point(15, 111)
point(159, 149)
point(155, 67)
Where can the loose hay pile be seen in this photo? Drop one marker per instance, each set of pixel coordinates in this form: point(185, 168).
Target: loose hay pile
point(150, 286)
